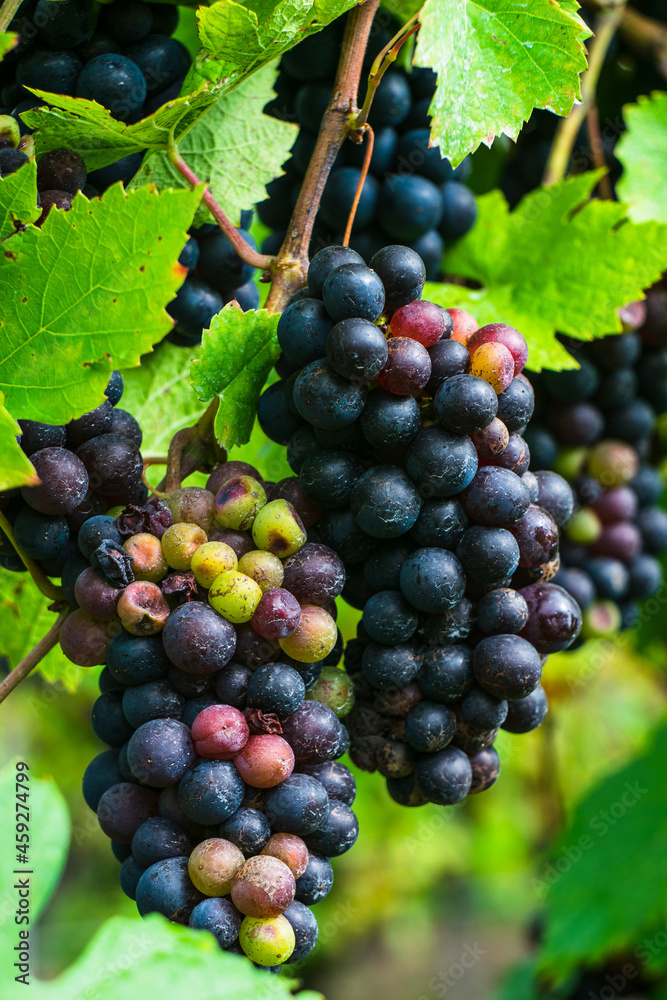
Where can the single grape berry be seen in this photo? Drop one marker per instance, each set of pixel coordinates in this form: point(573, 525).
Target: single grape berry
point(356, 349)
point(407, 368)
point(219, 732)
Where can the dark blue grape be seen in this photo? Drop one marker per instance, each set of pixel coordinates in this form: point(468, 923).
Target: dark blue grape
point(610, 577)
point(36, 436)
point(495, 497)
point(337, 834)
point(198, 640)
point(555, 496)
point(339, 530)
point(485, 764)
point(406, 791)
point(448, 358)
point(432, 580)
point(645, 577)
point(446, 673)
point(115, 82)
point(339, 194)
point(482, 710)
point(131, 871)
point(316, 881)
point(231, 685)
point(507, 666)
point(194, 706)
point(194, 307)
point(128, 21)
point(390, 422)
point(101, 774)
point(384, 149)
point(120, 851)
point(389, 619)
point(162, 61)
point(154, 700)
point(444, 777)
point(382, 570)
point(114, 389)
point(166, 888)
point(502, 611)
point(219, 917)
point(652, 523)
point(465, 403)
point(431, 248)
point(248, 828)
point(516, 404)
point(328, 477)
point(189, 255)
point(160, 752)
point(325, 262)
point(108, 721)
point(277, 688)
point(408, 206)
point(384, 502)
point(459, 210)
point(442, 464)
point(297, 805)
point(527, 713)
point(441, 523)
point(337, 779)
point(133, 659)
point(99, 44)
point(40, 536)
point(301, 444)
point(577, 583)
point(353, 291)
point(390, 666)
point(49, 69)
point(64, 24)
point(574, 385)
point(274, 415)
point(356, 349)
point(325, 399)
point(429, 726)
point(304, 925)
point(647, 485)
point(414, 155)
point(247, 296)
point(211, 791)
point(632, 422)
point(219, 263)
point(158, 839)
point(122, 170)
point(488, 554)
point(542, 445)
point(303, 329)
point(391, 101)
point(402, 273)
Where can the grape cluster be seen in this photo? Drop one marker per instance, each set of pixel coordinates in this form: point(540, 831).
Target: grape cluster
point(220, 788)
point(405, 423)
point(596, 426)
point(411, 195)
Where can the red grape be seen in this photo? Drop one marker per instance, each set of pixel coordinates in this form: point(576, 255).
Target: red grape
point(219, 732)
point(265, 761)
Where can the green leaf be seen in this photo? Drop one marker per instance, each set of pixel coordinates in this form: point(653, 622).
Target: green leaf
point(230, 32)
point(643, 152)
point(8, 40)
point(402, 10)
point(236, 148)
point(86, 293)
point(496, 60)
point(520, 983)
point(18, 199)
point(49, 835)
point(24, 620)
point(100, 138)
point(237, 354)
point(557, 263)
point(160, 395)
point(15, 467)
point(608, 871)
point(132, 958)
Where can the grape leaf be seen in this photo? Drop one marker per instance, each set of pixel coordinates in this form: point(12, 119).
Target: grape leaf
point(100, 138)
point(18, 199)
point(558, 262)
point(160, 396)
point(24, 620)
point(608, 870)
point(496, 60)
point(403, 10)
point(643, 152)
point(15, 468)
point(236, 357)
point(130, 957)
point(236, 148)
point(7, 42)
point(86, 293)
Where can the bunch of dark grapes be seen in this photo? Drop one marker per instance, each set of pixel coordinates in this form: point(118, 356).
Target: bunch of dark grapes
point(405, 422)
point(124, 58)
point(219, 789)
point(596, 426)
point(411, 195)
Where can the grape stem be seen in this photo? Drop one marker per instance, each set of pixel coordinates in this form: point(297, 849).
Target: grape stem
point(368, 133)
point(241, 246)
point(382, 62)
point(29, 662)
point(645, 36)
point(7, 11)
point(291, 264)
point(36, 572)
point(606, 26)
point(595, 137)
point(190, 449)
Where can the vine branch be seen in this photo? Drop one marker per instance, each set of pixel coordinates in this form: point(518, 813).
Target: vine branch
point(568, 129)
point(242, 248)
point(190, 449)
point(292, 262)
point(36, 572)
point(29, 662)
point(7, 12)
point(645, 36)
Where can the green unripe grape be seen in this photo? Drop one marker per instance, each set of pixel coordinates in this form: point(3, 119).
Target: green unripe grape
point(10, 133)
point(600, 620)
point(194, 505)
point(314, 637)
point(279, 529)
point(584, 527)
point(238, 503)
point(180, 542)
point(569, 462)
point(234, 596)
point(148, 562)
point(267, 940)
point(210, 560)
point(334, 688)
point(613, 463)
point(213, 864)
point(262, 567)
